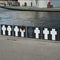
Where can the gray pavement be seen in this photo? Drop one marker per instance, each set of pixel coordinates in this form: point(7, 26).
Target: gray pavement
point(16, 48)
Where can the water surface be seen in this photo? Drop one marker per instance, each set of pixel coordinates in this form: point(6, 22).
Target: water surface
point(27, 18)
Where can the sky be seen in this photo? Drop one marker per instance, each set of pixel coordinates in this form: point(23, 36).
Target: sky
point(56, 3)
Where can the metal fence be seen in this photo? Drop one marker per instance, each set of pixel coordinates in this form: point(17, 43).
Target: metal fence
point(31, 32)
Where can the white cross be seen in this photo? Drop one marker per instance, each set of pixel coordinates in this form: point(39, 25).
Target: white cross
point(3, 29)
point(16, 29)
point(37, 32)
point(45, 32)
point(9, 30)
point(22, 32)
point(53, 33)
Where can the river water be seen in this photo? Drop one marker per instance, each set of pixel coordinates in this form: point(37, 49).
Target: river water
point(27, 18)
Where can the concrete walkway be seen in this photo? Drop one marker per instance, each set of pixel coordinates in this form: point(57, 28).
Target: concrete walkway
point(16, 48)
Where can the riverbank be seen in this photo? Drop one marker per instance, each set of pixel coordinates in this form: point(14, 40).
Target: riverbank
point(17, 8)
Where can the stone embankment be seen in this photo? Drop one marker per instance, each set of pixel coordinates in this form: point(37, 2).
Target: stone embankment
point(18, 8)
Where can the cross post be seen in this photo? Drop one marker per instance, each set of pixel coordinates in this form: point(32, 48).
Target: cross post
point(45, 32)
point(37, 32)
point(9, 30)
point(3, 29)
point(22, 32)
point(16, 30)
point(53, 33)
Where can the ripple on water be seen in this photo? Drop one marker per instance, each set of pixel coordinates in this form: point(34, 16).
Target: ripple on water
point(47, 19)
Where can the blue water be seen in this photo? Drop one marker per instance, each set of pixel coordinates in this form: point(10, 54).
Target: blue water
point(26, 18)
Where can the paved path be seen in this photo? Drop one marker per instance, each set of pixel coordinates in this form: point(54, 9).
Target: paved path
point(15, 48)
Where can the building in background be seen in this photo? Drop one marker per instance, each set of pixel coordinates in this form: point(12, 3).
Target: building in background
point(27, 2)
point(34, 3)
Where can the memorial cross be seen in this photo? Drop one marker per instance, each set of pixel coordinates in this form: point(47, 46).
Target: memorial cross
point(16, 29)
point(3, 29)
point(37, 32)
point(53, 33)
point(22, 32)
point(9, 30)
point(45, 32)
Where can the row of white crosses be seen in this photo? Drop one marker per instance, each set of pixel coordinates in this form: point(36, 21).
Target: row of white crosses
point(53, 32)
point(16, 29)
point(9, 29)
